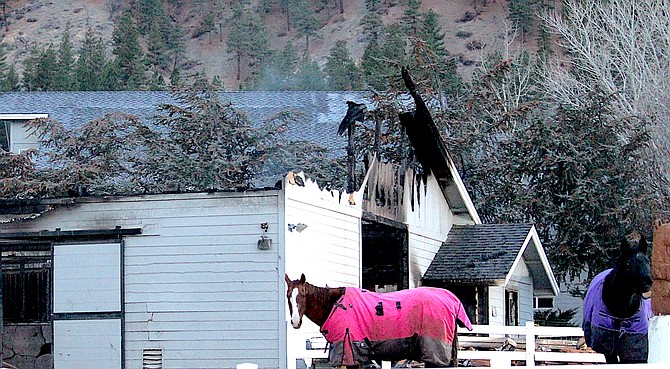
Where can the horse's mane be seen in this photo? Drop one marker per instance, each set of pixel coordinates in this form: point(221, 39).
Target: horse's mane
point(324, 297)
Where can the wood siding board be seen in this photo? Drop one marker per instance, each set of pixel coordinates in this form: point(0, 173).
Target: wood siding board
point(174, 278)
point(140, 338)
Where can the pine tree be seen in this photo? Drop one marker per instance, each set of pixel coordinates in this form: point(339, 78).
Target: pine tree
point(12, 81)
point(88, 66)
point(157, 53)
point(248, 40)
point(394, 45)
point(278, 73)
point(374, 67)
point(45, 71)
point(521, 16)
point(64, 79)
point(342, 71)
point(432, 34)
point(128, 53)
point(373, 6)
point(3, 14)
point(372, 26)
point(309, 76)
point(411, 17)
point(29, 77)
point(305, 21)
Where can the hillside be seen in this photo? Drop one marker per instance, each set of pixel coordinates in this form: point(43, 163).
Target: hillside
point(40, 22)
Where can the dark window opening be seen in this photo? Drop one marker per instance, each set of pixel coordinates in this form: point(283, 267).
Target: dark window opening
point(475, 300)
point(26, 285)
point(544, 303)
point(384, 257)
point(511, 307)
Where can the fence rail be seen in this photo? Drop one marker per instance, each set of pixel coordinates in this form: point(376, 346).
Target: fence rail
point(497, 359)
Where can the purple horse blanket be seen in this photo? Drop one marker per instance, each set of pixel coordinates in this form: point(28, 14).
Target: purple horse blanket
point(607, 334)
point(414, 324)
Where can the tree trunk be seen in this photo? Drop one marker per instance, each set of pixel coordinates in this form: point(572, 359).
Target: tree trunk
point(4, 16)
point(239, 60)
point(341, 6)
point(288, 19)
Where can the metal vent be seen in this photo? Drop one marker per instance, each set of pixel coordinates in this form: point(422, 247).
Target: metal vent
point(152, 358)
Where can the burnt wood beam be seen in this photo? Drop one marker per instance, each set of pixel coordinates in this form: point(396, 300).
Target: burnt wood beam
point(424, 135)
point(58, 234)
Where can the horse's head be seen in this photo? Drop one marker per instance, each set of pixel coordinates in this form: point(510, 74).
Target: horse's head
point(634, 267)
point(295, 293)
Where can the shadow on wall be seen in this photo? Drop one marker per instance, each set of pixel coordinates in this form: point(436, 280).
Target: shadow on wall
point(27, 346)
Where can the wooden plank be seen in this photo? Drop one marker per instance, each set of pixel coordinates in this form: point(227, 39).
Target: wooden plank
point(140, 338)
point(205, 298)
point(234, 305)
point(202, 316)
point(251, 276)
point(203, 287)
point(199, 258)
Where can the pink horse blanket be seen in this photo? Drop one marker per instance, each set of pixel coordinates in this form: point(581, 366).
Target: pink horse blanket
point(416, 324)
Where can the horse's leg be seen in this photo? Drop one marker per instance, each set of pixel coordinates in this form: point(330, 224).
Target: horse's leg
point(454, 348)
point(612, 359)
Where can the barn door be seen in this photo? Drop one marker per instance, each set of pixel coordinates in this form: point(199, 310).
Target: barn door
point(87, 300)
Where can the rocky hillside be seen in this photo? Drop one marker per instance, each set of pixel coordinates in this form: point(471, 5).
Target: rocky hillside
point(466, 23)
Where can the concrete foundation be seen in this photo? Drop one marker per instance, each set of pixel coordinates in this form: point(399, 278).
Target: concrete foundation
point(27, 346)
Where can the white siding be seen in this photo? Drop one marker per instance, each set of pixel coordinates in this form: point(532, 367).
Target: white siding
point(496, 305)
point(87, 278)
point(86, 344)
point(196, 284)
point(328, 251)
point(429, 220)
point(522, 282)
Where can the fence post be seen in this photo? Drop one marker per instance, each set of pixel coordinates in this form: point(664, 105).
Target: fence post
point(530, 344)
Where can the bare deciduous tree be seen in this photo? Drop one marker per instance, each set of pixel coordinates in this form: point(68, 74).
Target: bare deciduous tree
point(621, 46)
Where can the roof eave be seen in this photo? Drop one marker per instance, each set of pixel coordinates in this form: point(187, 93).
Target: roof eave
point(546, 267)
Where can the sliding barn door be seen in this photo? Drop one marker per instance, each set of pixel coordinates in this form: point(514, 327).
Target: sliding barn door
point(87, 301)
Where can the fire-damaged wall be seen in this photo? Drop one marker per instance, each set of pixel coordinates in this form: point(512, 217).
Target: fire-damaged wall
point(27, 346)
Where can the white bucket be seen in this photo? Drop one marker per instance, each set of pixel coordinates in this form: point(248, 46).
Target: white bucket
point(246, 366)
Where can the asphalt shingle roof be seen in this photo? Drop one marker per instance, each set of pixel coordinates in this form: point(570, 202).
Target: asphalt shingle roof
point(479, 253)
point(323, 110)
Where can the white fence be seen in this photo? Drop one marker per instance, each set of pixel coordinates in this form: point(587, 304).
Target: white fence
point(497, 359)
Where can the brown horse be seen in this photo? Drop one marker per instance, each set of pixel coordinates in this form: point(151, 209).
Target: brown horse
point(362, 326)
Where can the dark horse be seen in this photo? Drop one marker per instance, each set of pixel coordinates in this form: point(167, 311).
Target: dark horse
point(616, 308)
point(362, 326)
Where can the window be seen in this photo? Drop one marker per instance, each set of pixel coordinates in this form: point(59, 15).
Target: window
point(544, 303)
point(26, 282)
point(14, 135)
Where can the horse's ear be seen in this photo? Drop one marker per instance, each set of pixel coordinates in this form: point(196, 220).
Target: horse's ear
point(302, 278)
point(642, 245)
point(287, 279)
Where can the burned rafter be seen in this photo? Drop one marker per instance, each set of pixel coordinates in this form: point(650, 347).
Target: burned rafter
point(428, 146)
